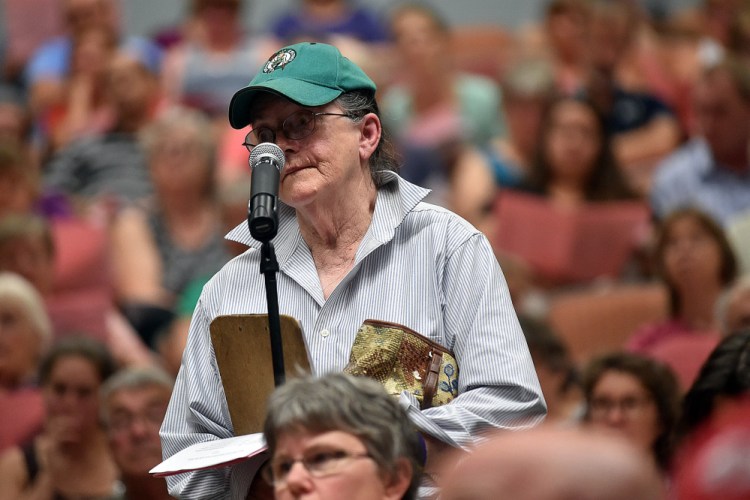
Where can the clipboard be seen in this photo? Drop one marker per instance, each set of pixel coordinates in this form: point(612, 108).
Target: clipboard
point(242, 347)
point(576, 245)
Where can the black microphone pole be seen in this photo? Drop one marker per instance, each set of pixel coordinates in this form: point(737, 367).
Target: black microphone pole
point(266, 161)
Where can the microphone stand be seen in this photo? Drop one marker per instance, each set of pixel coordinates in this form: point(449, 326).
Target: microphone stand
point(266, 161)
point(269, 266)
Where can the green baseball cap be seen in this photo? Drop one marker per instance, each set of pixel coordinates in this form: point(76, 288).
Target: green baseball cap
point(308, 73)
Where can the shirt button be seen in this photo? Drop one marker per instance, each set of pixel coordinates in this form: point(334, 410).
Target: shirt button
point(324, 333)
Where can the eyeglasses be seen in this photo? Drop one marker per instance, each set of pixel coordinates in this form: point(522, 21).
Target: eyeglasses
point(318, 464)
point(599, 407)
point(296, 126)
point(123, 421)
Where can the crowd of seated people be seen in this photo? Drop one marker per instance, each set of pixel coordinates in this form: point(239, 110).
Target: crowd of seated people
point(623, 131)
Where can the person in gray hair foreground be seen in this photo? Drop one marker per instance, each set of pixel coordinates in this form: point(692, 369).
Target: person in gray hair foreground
point(340, 437)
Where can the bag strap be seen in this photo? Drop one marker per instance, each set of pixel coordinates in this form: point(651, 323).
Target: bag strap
point(431, 380)
point(434, 346)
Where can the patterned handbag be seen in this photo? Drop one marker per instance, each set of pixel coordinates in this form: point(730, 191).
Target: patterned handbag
point(403, 360)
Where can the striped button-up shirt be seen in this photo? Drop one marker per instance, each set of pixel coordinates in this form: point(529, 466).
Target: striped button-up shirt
point(418, 265)
point(690, 177)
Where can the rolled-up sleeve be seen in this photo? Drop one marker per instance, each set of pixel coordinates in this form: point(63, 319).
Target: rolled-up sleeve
point(497, 384)
point(197, 413)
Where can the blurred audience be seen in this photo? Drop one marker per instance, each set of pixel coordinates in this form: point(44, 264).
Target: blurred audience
point(109, 170)
point(549, 463)
point(18, 181)
point(21, 190)
point(25, 26)
point(15, 123)
point(528, 88)
point(574, 162)
point(176, 237)
point(340, 437)
point(213, 60)
point(71, 457)
point(724, 378)
point(504, 162)
point(562, 37)
point(49, 67)
point(557, 372)
point(134, 402)
point(739, 34)
point(637, 398)
point(14, 114)
point(734, 314)
point(170, 344)
point(83, 109)
point(28, 248)
point(715, 438)
point(429, 98)
point(712, 170)
point(643, 128)
point(25, 335)
point(714, 21)
point(695, 261)
point(573, 203)
point(738, 232)
point(713, 464)
point(319, 19)
point(432, 108)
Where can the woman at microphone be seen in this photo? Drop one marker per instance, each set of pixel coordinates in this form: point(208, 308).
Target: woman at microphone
point(354, 242)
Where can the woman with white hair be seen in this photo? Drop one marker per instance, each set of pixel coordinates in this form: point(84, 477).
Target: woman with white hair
point(25, 333)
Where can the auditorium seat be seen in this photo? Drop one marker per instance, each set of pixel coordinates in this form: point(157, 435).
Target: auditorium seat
point(481, 49)
point(595, 321)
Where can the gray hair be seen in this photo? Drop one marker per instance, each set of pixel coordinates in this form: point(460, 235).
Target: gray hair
point(385, 157)
point(134, 378)
point(356, 405)
point(17, 289)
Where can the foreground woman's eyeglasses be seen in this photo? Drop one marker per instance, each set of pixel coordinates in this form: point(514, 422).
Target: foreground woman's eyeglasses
point(318, 464)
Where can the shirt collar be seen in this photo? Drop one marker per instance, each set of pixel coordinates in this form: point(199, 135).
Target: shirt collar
point(396, 198)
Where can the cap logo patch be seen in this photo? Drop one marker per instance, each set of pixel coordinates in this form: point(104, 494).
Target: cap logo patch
point(279, 60)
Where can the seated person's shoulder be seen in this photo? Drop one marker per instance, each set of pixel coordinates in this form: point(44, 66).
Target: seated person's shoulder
point(690, 159)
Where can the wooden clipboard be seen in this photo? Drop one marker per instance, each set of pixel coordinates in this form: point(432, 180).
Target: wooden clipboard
point(242, 347)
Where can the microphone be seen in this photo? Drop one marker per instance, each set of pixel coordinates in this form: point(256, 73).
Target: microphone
point(266, 162)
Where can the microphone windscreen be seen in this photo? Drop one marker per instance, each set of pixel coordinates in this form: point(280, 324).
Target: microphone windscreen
point(267, 150)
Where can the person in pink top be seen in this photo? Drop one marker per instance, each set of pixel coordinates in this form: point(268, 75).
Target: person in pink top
point(696, 262)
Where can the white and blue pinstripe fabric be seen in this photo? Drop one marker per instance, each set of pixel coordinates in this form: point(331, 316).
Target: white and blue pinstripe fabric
point(418, 265)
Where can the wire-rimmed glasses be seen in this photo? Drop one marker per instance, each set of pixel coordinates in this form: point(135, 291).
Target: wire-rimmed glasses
point(296, 126)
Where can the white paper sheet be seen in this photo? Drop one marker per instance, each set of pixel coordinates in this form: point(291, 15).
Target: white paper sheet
point(213, 454)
